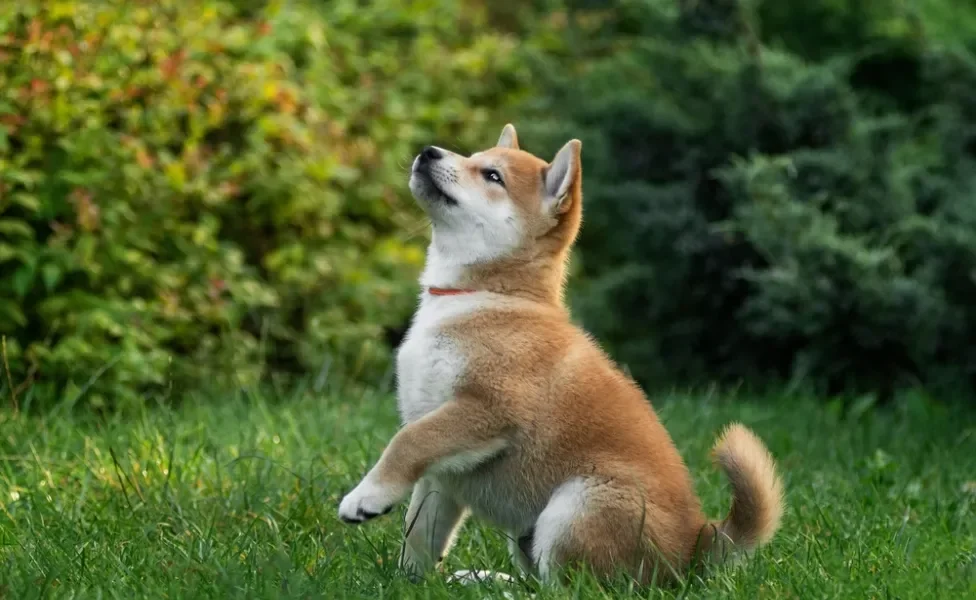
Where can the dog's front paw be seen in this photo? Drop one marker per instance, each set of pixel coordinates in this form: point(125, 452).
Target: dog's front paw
point(367, 501)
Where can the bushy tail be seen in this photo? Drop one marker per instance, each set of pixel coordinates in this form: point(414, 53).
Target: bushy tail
point(757, 494)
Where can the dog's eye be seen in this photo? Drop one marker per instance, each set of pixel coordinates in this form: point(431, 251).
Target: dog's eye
point(493, 176)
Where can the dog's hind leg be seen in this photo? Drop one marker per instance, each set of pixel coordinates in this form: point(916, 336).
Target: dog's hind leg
point(604, 526)
point(555, 525)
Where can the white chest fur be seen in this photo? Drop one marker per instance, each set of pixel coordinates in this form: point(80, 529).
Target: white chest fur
point(429, 362)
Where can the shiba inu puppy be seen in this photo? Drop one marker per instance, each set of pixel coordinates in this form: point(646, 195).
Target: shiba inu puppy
point(515, 415)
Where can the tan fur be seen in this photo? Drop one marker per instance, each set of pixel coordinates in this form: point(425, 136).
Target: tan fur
point(757, 505)
point(516, 415)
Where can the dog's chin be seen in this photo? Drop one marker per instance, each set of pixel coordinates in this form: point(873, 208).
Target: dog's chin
point(426, 191)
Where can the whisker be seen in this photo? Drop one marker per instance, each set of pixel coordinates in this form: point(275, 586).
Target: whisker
point(413, 233)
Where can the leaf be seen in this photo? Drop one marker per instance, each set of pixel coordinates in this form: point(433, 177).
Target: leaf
point(62, 10)
point(25, 178)
point(12, 312)
point(12, 227)
point(28, 201)
point(23, 279)
point(9, 252)
point(862, 405)
point(51, 275)
point(176, 174)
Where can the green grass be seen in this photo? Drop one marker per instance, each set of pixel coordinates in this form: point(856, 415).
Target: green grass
point(237, 497)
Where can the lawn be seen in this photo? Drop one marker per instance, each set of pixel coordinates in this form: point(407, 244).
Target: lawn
point(236, 497)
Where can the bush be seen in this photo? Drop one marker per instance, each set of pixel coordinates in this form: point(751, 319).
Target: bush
point(760, 214)
point(200, 192)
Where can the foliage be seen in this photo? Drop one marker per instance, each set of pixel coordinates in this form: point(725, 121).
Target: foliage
point(192, 192)
point(234, 497)
point(756, 209)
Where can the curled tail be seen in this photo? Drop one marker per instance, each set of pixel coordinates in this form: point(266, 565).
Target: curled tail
point(757, 494)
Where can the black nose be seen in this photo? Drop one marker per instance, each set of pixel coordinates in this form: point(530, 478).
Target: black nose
point(430, 153)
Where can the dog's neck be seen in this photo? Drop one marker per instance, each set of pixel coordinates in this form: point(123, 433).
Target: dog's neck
point(539, 279)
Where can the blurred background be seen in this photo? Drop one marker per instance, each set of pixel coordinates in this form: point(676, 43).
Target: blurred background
point(214, 193)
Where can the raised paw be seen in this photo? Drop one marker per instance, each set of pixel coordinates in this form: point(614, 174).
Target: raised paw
point(367, 501)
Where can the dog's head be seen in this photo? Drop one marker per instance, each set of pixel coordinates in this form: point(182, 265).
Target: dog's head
point(501, 202)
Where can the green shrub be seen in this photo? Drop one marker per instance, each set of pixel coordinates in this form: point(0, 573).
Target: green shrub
point(203, 192)
point(765, 214)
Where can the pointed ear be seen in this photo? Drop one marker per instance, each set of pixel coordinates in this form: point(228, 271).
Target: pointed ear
point(561, 173)
point(508, 139)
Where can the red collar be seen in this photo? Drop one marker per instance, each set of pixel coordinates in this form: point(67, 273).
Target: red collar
point(437, 291)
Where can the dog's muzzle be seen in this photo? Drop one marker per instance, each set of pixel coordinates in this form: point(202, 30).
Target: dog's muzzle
point(422, 167)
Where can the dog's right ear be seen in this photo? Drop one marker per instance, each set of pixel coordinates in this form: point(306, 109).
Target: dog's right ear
point(508, 139)
point(560, 175)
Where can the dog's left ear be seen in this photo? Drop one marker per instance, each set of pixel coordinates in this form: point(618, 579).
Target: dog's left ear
point(560, 175)
point(508, 139)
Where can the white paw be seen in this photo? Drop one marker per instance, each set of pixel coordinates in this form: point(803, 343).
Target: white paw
point(367, 501)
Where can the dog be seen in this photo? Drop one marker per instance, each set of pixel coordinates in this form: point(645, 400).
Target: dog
point(514, 414)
